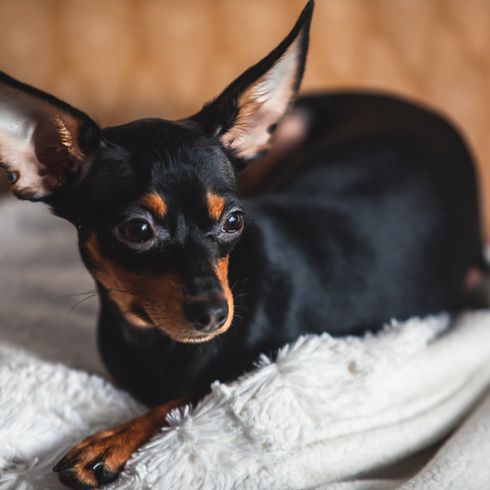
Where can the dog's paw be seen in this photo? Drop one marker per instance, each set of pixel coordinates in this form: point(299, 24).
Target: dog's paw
point(95, 461)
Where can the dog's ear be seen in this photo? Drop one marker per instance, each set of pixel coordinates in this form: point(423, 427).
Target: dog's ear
point(44, 143)
point(246, 112)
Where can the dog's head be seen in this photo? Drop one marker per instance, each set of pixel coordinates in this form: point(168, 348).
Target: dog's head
point(154, 201)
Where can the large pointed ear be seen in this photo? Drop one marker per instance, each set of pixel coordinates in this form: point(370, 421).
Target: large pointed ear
point(45, 144)
point(247, 111)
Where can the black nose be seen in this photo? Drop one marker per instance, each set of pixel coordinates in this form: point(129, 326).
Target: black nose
point(207, 316)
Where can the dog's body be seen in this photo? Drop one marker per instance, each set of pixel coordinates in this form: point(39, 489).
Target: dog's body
point(371, 215)
point(374, 217)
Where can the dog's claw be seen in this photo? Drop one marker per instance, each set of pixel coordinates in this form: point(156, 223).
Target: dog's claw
point(70, 478)
point(64, 462)
point(103, 475)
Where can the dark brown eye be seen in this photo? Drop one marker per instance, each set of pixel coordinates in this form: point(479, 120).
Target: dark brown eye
point(13, 177)
point(137, 231)
point(233, 222)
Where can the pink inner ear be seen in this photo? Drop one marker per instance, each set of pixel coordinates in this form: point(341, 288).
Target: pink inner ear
point(37, 151)
point(19, 157)
point(263, 104)
point(51, 152)
point(53, 162)
point(39, 138)
point(250, 134)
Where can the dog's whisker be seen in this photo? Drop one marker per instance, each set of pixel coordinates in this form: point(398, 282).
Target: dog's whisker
point(91, 291)
point(242, 295)
point(239, 281)
point(94, 295)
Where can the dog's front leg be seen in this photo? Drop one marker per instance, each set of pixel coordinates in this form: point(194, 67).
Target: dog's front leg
point(99, 458)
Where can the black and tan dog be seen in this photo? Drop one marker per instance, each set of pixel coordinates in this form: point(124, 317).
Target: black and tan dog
point(371, 214)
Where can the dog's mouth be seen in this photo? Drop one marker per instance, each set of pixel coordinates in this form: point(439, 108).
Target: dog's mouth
point(179, 327)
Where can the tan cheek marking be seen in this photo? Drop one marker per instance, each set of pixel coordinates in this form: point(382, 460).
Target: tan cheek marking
point(216, 205)
point(155, 203)
point(222, 273)
point(162, 297)
point(112, 277)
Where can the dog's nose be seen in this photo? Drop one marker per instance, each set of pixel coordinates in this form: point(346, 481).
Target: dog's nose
point(207, 316)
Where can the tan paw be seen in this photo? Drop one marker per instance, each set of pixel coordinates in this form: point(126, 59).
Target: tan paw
point(97, 460)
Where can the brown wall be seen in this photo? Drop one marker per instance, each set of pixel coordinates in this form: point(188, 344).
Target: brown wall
point(120, 59)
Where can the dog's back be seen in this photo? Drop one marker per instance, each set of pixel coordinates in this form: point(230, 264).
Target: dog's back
point(374, 217)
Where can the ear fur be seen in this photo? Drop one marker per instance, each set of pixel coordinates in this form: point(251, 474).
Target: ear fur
point(246, 112)
point(44, 142)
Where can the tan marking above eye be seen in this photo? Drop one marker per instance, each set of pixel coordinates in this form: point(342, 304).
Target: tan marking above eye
point(161, 297)
point(216, 204)
point(155, 203)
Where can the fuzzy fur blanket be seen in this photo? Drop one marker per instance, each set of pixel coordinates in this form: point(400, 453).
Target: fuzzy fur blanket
point(336, 414)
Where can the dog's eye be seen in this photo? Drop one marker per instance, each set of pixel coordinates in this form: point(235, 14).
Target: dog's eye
point(137, 231)
point(233, 222)
point(13, 177)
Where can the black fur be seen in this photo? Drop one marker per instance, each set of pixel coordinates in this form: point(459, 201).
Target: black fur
point(375, 216)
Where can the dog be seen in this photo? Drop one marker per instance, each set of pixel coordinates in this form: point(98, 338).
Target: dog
point(207, 251)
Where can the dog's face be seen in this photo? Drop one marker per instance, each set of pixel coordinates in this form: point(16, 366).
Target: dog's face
point(155, 202)
point(157, 236)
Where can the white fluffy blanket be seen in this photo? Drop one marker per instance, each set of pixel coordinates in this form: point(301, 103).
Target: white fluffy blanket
point(334, 414)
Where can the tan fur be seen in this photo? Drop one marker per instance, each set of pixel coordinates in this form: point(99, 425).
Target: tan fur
point(216, 205)
point(116, 446)
point(161, 297)
point(222, 273)
point(249, 106)
point(67, 131)
point(155, 203)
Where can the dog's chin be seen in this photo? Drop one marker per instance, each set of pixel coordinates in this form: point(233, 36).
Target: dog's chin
point(197, 337)
point(184, 334)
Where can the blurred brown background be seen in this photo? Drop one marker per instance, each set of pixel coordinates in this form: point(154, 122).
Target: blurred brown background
point(120, 59)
